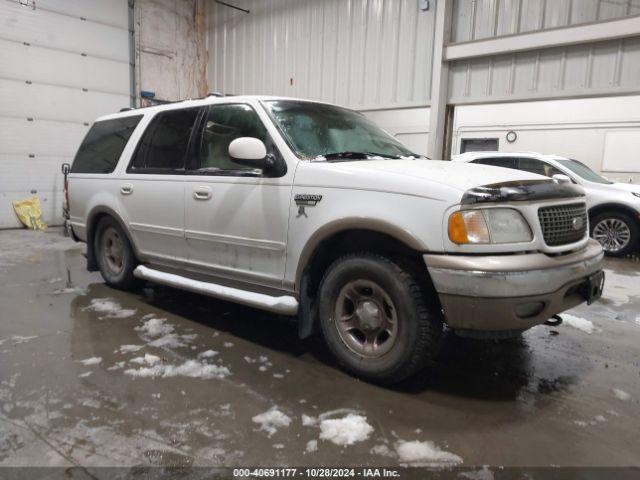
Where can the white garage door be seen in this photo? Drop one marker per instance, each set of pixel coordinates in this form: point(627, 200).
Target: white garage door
point(62, 64)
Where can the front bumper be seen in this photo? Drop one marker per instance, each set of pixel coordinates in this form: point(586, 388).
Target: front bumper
point(511, 292)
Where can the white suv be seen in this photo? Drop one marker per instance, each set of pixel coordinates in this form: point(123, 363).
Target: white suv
point(310, 210)
point(614, 208)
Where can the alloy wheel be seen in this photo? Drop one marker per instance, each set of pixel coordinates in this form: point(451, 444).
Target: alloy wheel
point(612, 233)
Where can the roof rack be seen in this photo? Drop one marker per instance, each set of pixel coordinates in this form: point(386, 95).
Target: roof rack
point(125, 109)
point(215, 94)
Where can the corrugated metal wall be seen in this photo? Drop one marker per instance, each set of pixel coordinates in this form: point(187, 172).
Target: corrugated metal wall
point(476, 19)
point(62, 64)
point(590, 69)
point(601, 68)
point(365, 54)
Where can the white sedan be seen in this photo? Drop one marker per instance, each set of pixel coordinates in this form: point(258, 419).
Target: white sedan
point(614, 208)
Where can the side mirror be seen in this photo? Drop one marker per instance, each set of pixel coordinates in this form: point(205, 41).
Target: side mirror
point(65, 168)
point(249, 151)
point(560, 178)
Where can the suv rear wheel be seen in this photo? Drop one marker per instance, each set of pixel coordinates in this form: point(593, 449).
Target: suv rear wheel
point(114, 254)
point(616, 232)
point(375, 318)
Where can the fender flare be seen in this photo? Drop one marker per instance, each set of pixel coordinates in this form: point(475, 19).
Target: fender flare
point(353, 223)
point(596, 209)
point(92, 264)
point(307, 315)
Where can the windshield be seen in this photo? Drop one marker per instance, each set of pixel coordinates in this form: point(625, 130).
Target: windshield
point(583, 171)
point(327, 132)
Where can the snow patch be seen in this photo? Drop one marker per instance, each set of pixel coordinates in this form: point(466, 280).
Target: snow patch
point(345, 431)
point(381, 450)
point(129, 348)
point(170, 340)
point(110, 308)
point(483, 474)
point(116, 366)
point(227, 344)
point(271, 420)
point(308, 421)
point(312, 446)
point(621, 394)
point(91, 361)
point(148, 359)
point(424, 454)
point(18, 339)
point(90, 402)
point(208, 354)
point(576, 322)
point(190, 368)
point(84, 375)
point(155, 327)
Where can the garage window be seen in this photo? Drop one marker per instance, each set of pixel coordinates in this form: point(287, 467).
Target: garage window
point(479, 145)
point(164, 145)
point(101, 148)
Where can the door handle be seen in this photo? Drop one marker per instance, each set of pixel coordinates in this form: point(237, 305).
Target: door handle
point(126, 189)
point(202, 193)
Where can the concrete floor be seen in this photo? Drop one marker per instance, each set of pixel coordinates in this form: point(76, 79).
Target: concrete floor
point(562, 396)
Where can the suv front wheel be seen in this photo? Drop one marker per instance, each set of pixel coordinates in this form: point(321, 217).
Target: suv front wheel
point(375, 318)
point(617, 233)
point(114, 254)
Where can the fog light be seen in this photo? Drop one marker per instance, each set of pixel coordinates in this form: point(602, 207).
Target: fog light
point(528, 310)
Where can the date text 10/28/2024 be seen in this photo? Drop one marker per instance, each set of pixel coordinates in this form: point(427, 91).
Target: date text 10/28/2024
point(324, 472)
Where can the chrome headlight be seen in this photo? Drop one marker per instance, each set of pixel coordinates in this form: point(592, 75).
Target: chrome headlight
point(490, 225)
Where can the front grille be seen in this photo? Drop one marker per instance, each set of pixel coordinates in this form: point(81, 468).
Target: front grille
point(563, 224)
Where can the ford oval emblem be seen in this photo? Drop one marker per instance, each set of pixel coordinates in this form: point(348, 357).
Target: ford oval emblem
point(577, 223)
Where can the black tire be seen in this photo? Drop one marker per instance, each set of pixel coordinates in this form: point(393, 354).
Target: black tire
point(418, 318)
point(613, 216)
point(121, 278)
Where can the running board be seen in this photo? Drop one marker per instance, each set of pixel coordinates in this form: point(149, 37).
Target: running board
point(285, 305)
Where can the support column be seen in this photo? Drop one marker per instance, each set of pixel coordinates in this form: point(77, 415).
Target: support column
point(439, 79)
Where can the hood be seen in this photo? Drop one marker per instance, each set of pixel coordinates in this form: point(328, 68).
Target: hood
point(626, 187)
point(437, 179)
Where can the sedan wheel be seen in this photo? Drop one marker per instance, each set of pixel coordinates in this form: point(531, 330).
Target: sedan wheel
point(613, 234)
point(617, 232)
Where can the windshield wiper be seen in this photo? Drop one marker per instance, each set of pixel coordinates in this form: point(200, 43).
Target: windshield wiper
point(354, 156)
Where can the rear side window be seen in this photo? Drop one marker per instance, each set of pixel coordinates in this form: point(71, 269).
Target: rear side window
point(506, 162)
point(536, 166)
point(102, 146)
point(163, 147)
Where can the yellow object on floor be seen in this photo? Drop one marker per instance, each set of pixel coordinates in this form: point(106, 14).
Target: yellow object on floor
point(30, 213)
